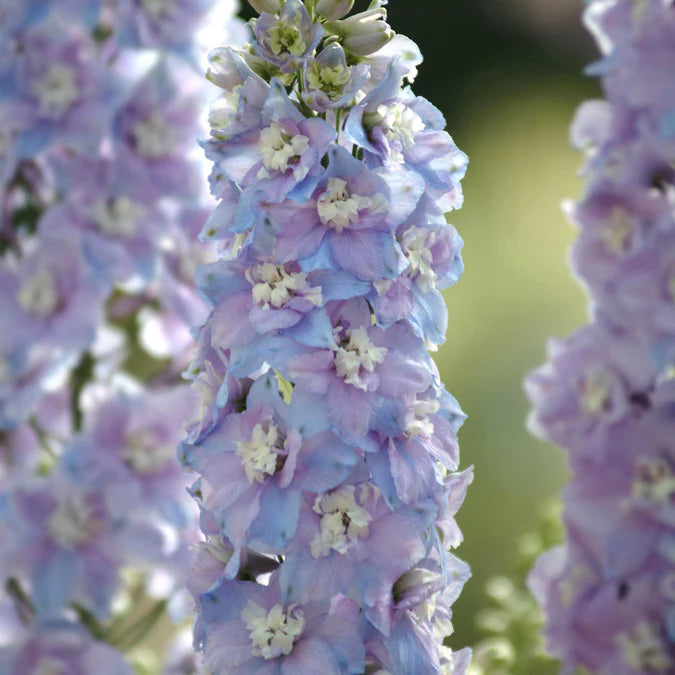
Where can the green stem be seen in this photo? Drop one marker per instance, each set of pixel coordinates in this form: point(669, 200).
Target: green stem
point(338, 119)
point(81, 375)
point(90, 622)
point(24, 607)
point(133, 634)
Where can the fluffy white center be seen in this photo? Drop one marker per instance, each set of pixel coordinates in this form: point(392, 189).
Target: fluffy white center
point(273, 286)
point(420, 424)
point(38, 294)
point(285, 38)
point(73, 523)
point(329, 79)
point(644, 650)
point(355, 353)
point(260, 455)
point(338, 208)
point(153, 137)
point(279, 150)
point(400, 125)
point(56, 90)
point(419, 256)
point(275, 632)
point(596, 391)
point(655, 482)
point(118, 217)
point(144, 454)
point(343, 521)
point(617, 232)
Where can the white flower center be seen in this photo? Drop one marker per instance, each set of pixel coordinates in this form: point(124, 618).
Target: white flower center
point(279, 149)
point(118, 217)
point(261, 455)
point(400, 125)
point(158, 8)
point(596, 391)
point(342, 521)
point(655, 482)
point(286, 38)
point(56, 90)
point(143, 454)
point(420, 424)
point(73, 523)
point(153, 137)
point(329, 79)
point(38, 294)
point(356, 353)
point(338, 208)
point(275, 632)
point(273, 286)
point(643, 649)
point(617, 232)
point(419, 256)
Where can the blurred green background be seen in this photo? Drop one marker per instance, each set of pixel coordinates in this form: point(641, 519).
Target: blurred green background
point(508, 76)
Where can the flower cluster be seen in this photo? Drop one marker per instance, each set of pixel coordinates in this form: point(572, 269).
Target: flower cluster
point(607, 394)
point(325, 445)
point(101, 186)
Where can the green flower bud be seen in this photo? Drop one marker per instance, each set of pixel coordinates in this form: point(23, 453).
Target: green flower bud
point(334, 9)
point(270, 6)
point(363, 33)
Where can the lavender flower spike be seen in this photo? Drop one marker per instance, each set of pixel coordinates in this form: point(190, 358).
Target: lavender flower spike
point(607, 395)
point(325, 450)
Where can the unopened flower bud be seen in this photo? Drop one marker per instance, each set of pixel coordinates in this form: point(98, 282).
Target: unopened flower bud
point(269, 6)
point(363, 33)
point(334, 9)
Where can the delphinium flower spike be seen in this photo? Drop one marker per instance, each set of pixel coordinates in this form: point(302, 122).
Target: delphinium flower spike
point(607, 394)
point(101, 188)
point(325, 446)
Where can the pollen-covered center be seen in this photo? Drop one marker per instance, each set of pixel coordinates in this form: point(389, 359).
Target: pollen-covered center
point(618, 232)
point(329, 79)
point(284, 38)
point(595, 392)
point(654, 483)
point(275, 632)
point(355, 355)
point(337, 207)
point(400, 125)
point(343, 521)
point(57, 90)
point(419, 257)
point(643, 649)
point(38, 294)
point(263, 455)
point(117, 217)
point(153, 136)
point(274, 286)
point(74, 521)
point(280, 150)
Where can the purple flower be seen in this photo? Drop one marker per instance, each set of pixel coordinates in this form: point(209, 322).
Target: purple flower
point(288, 39)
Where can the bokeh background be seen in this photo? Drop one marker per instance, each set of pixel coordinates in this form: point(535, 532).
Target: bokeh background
point(508, 75)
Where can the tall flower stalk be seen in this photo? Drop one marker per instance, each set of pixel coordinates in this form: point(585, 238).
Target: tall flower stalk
point(607, 394)
point(326, 447)
point(101, 192)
